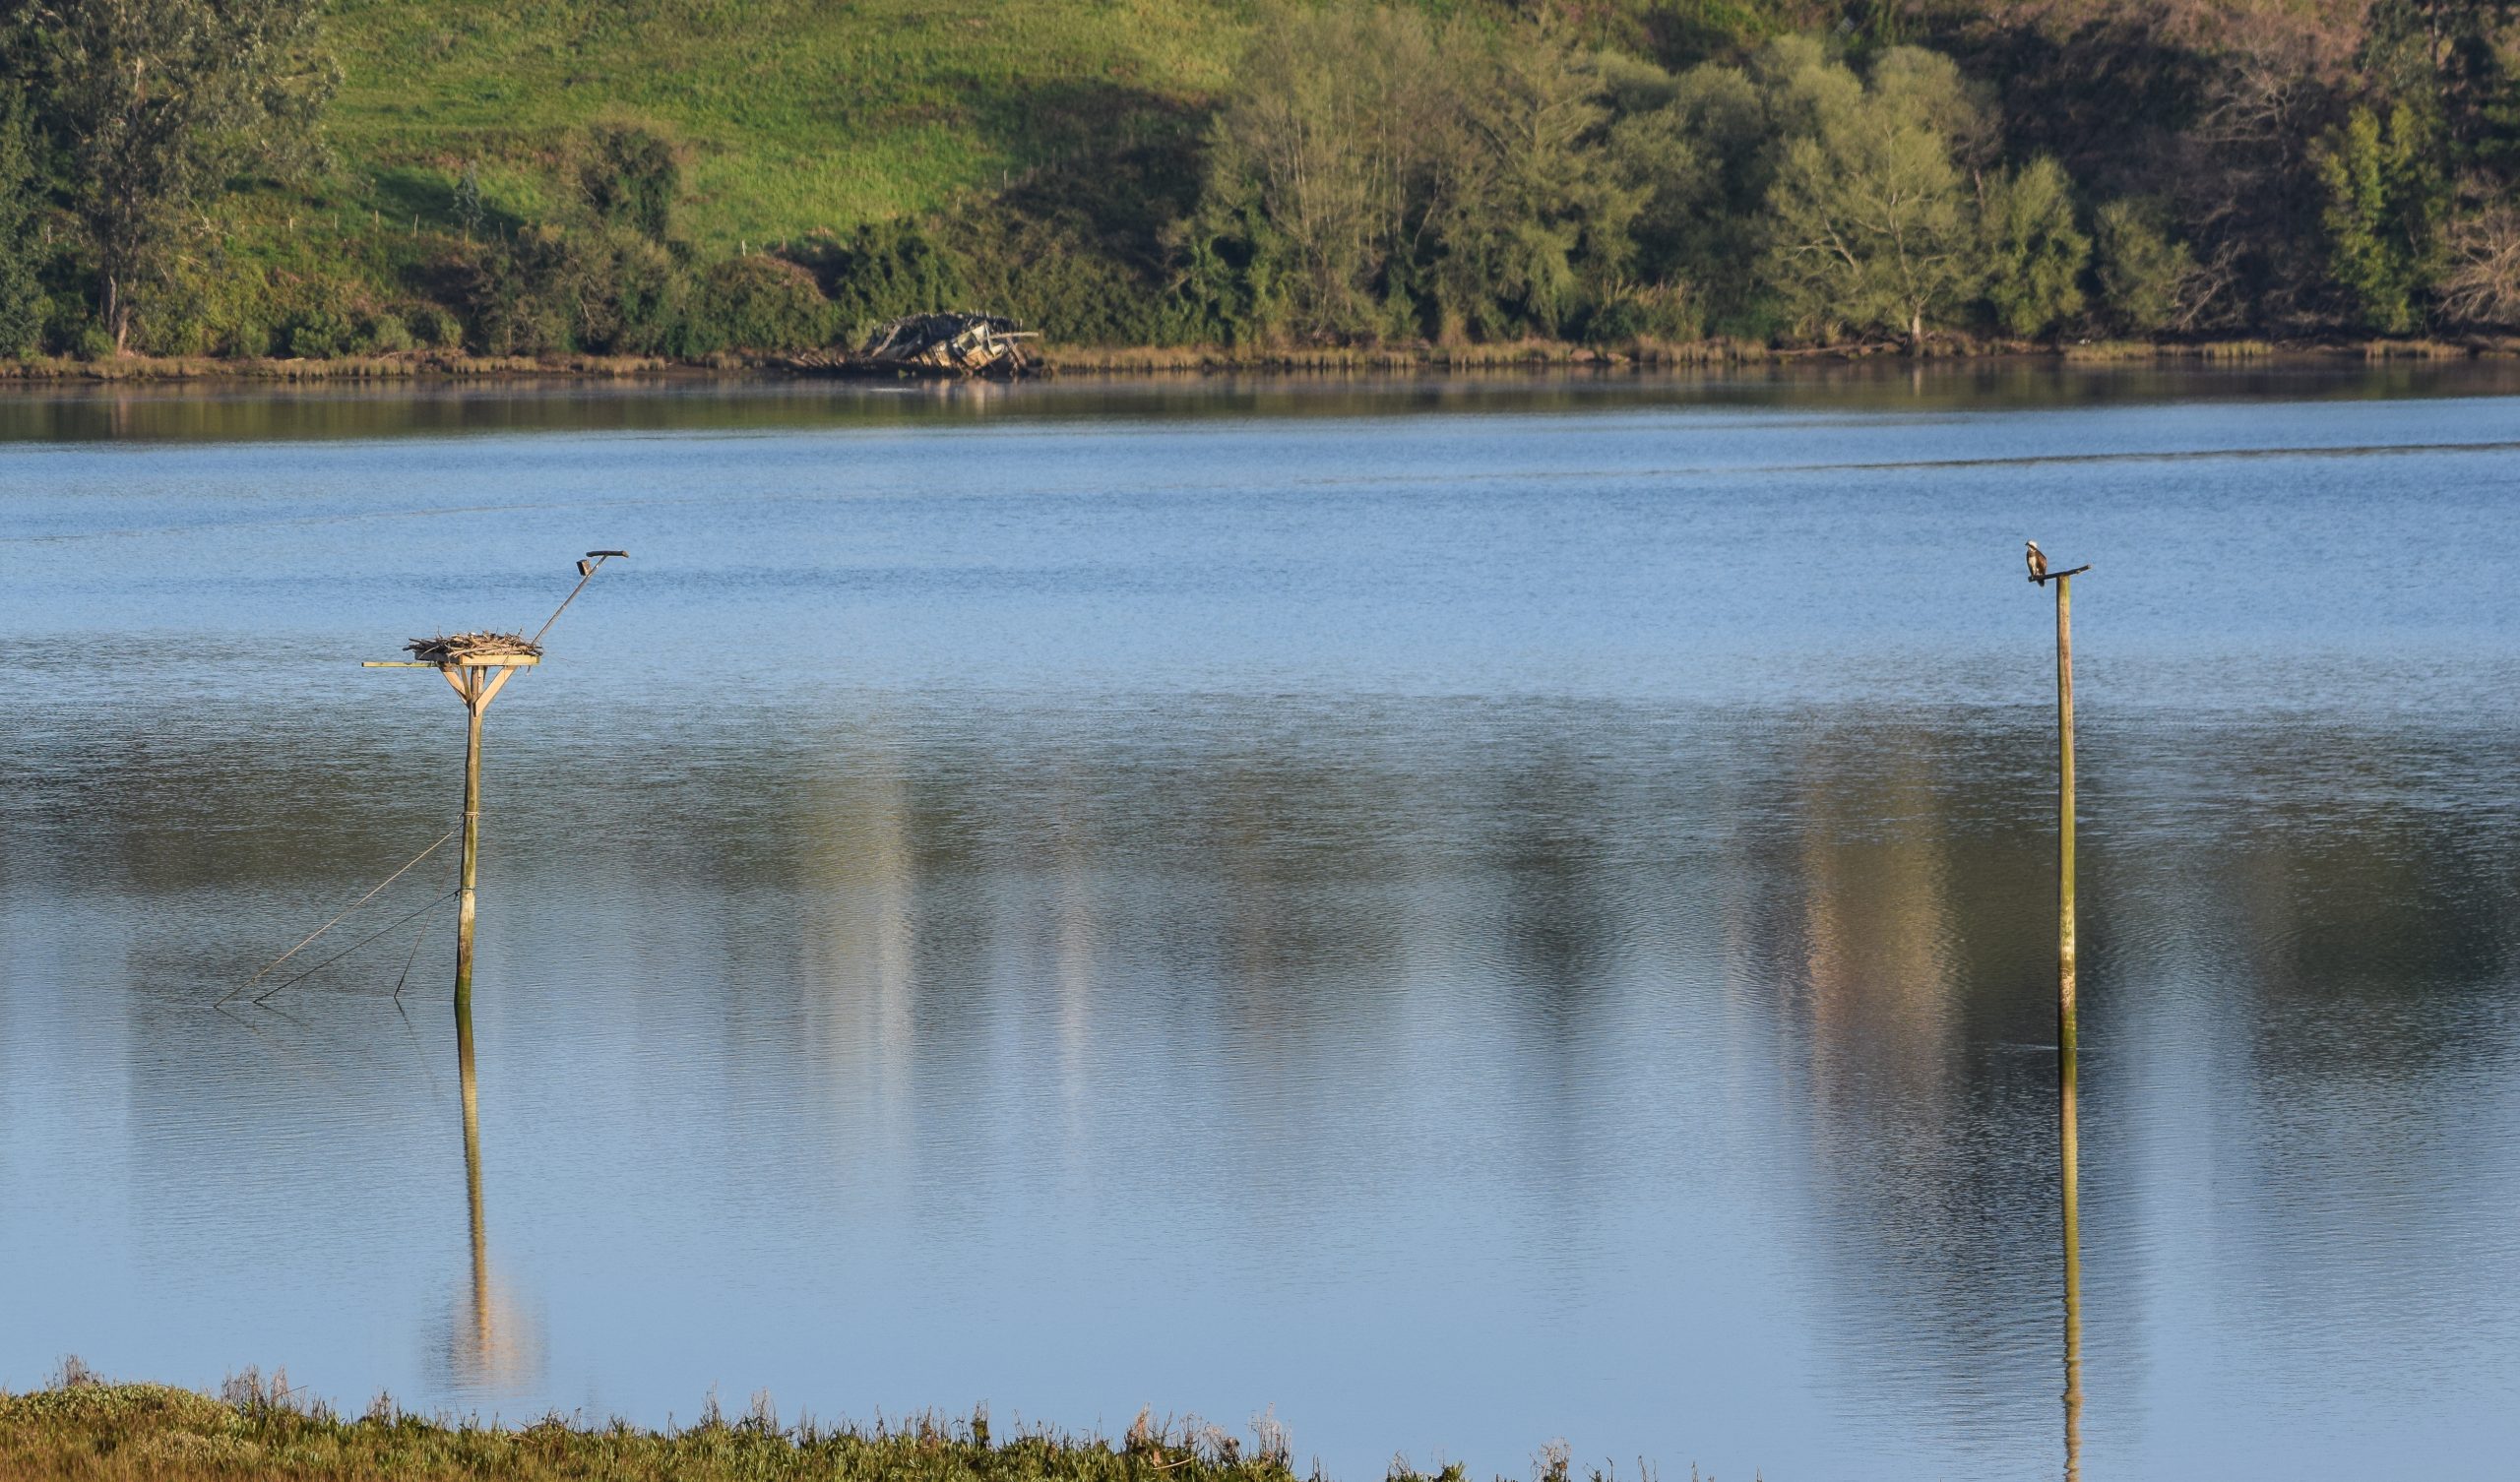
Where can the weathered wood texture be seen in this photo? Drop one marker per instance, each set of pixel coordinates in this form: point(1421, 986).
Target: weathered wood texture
point(478, 687)
point(2068, 1147)
point(931, 344)
point(2066, 811)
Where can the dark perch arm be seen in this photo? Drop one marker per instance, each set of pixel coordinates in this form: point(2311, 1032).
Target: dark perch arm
point(2054, 575)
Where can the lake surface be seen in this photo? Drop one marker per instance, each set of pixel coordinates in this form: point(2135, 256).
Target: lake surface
point(1460, 913)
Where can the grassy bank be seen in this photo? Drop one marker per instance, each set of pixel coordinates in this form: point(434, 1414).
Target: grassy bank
point(402, 367)
point(83, 1430)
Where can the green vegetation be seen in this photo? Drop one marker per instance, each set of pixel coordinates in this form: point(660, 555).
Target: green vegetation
point(21, 298)
point(693, 178)
point(81, 1429)
point(2385, 198)
point(153, 107)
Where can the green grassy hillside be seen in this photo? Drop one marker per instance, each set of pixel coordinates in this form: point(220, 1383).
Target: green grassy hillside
point(796, 114)
point(1304, 172)
point(792, 119)
point(806, 114)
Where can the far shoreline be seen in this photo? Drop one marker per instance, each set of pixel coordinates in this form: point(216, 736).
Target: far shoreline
point(1196, 362)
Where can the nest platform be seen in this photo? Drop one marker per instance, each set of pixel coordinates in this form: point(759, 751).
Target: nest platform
point(466, 650)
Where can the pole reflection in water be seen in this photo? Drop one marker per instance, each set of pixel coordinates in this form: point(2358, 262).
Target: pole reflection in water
point(2067, 1157)
point(486, 1346)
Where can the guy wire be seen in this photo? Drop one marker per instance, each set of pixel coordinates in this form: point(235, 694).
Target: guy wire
point(337, 920)
point(395, 925)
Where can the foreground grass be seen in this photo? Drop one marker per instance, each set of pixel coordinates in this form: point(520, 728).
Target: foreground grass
point(85, 1430)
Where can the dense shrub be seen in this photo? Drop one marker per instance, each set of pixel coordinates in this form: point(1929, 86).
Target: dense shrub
point(629, 176)
point(320, 334)
point(1627, 313)
point(649, 301)
point(436, 329)
point(757, 302)
point(2144, 276)
point(385, 334)
point(882, 271)
point(511, 313)
point(553, 290)
point(1053, 277)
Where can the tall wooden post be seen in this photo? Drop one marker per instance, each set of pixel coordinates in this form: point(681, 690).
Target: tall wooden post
point(473, 680)
point(2069, 1149)
point(474, 704)
point(2064, 820)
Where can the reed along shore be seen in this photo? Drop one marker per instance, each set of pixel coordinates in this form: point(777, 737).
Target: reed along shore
point(82, 1429)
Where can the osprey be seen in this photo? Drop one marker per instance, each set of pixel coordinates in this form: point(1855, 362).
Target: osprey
point(2038, 560)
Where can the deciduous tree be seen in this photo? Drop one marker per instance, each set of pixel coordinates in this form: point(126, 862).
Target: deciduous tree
point(157, 103)
point(2147, 280)
point(21, 296)
point(2034, 252)
point(1870, 221)
point(1326, 135)
point(2481, 283)
point(1526, 203)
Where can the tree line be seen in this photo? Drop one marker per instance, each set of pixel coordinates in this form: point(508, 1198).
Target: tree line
point(1617, 172)
point(1376, 173)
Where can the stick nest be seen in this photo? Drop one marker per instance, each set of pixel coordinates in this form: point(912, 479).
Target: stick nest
point(446, 648)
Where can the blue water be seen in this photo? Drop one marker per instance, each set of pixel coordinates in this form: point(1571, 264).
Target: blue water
point(1461, 915)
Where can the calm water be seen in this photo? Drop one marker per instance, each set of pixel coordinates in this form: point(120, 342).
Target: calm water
point(1467, 913)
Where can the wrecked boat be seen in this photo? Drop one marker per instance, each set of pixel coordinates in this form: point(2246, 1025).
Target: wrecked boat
point(934, 344)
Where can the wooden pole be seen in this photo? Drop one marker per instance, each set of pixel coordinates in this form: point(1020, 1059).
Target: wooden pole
point(475, 702)
point(478, 687)
point(2068, 1149)
point(2064, 817)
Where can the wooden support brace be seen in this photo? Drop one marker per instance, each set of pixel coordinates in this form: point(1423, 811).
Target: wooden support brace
point(490, 691)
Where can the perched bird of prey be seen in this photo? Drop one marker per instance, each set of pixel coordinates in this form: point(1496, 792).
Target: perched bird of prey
point(586, 569)
point(2038, 560)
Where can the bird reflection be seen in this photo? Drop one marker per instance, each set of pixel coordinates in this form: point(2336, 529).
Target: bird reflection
point(487, 1346)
